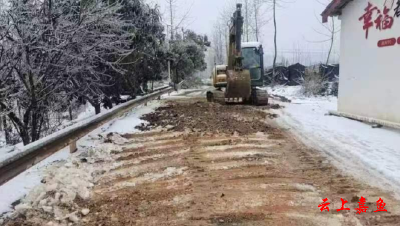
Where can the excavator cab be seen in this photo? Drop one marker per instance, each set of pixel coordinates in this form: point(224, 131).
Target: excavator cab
point(253, 60)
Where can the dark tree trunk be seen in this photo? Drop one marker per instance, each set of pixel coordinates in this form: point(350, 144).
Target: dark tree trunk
point(97, 108)
point(96, 103)
point(6, 130)
point(20, 126)
point(70, 113)
point(24, 136)
point(107, 103)
point(34, 125)
point(40, 127)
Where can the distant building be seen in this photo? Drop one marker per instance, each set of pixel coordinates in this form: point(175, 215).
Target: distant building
point(369, 83)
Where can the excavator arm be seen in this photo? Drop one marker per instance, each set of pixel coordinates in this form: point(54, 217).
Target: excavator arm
point(238, 79)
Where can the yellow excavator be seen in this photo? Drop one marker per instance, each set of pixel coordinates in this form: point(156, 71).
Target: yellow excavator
point(238, 81)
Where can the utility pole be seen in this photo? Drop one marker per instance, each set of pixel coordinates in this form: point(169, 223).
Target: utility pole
point(169, 61)
point(171, 11)
point(171, 4)
point(275, 45)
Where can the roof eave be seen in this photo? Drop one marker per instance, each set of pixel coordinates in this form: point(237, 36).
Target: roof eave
point(334, 9)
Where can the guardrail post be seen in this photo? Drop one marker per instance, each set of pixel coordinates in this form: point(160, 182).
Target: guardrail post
point(73, 147)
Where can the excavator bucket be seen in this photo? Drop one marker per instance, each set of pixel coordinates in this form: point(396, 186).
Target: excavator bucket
point(238, 85)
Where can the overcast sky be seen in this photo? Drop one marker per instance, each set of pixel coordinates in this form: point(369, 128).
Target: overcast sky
point(296, 21)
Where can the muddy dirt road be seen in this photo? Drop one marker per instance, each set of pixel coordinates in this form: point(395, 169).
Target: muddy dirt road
point(224, 165)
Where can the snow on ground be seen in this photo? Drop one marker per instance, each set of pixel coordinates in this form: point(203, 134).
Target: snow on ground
point(132, 119)
point(7, 151)
point(2, 138)
point(372, 155)
point(184, 93)
point(19, 186)
point(86, 112)
point(30, 180)
point(291, 92)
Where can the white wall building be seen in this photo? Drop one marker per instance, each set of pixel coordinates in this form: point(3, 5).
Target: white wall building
point(369, 84)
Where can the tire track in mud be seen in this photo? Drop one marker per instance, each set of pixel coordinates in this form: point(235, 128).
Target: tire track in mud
point(219, 175)
point(205, 178)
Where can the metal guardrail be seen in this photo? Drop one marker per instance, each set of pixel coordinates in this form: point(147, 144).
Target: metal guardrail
point(43, 148)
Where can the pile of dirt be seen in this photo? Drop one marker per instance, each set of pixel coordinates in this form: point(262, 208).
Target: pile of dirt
point(208, 117)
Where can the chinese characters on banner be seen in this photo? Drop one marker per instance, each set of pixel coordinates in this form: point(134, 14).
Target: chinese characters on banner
point(361, 205)
point(379, 19)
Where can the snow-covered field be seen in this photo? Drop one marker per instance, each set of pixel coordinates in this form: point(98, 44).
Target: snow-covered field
point(372, 155)
point(21, 185)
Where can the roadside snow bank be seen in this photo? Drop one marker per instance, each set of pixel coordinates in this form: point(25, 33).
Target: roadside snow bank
point(132, 119)
point(286, 91)
point(60, 170)
point(372, 155)
point(19, 186)
point(54, 201)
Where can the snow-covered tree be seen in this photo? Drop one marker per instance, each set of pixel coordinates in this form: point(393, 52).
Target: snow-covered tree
point(54, 51)
point(187, 57)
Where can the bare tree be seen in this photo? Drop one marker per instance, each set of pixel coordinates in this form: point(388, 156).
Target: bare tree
point(328, 31)
point(260, 18)
point(47, 46)
point(224, 22)
point(274, 4)
point(246, 19)
point(255, 17)
point(275, 44)
point(332, 31)
point(218, 42)
point(297, 53)
point(176, 23)
point(171, 9)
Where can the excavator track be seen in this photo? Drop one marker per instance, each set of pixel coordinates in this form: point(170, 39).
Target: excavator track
point(259, 97)
point(216, 96)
